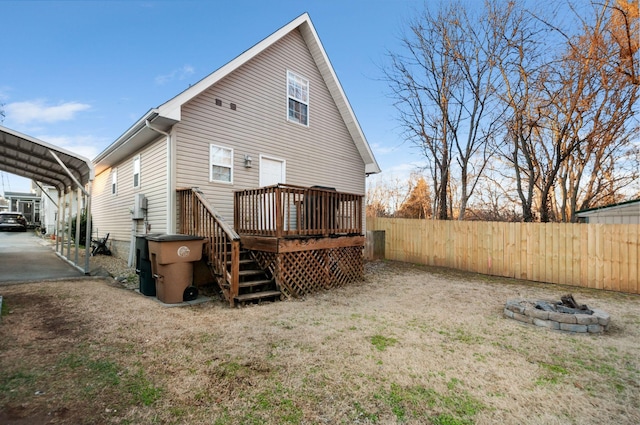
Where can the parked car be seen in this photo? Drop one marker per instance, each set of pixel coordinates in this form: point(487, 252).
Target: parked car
point(13, 221)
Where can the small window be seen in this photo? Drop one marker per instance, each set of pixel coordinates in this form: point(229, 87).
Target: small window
point(220, 164)
point(136, 171)
point(114, 181)
point(297, 98)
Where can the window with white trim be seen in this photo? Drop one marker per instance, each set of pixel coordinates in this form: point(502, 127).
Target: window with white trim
point(297, 98)
point(136, 171)
point(220, 164)
point(114, 181)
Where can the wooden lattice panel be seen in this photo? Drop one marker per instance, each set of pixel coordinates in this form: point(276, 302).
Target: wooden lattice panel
point(266, 261)
point(305, 272)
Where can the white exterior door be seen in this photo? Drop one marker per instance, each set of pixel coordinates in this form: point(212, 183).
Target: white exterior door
point(272, 171)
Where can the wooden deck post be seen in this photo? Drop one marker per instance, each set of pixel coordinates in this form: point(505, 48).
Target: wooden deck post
point(235, 272)
point(279, 218)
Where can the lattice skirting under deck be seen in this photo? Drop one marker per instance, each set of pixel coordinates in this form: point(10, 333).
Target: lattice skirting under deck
point(305, 272)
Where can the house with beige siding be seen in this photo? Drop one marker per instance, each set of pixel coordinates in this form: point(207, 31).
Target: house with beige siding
point(268, 147)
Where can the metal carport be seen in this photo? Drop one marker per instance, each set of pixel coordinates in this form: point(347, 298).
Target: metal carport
point(71, 174)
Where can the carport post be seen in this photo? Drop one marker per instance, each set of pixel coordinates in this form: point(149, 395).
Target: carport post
point(70, 195)
point(60, 221)
point(88, 194)
point(87, 245)
point(76, 237)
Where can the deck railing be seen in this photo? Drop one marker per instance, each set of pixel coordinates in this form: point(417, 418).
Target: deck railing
point(288, 211)
point(198, 217)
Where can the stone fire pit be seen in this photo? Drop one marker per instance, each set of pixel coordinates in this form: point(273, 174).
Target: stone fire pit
point(565, 315)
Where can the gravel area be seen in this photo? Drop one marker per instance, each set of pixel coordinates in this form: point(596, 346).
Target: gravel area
point(110, 266)
point(116, 268)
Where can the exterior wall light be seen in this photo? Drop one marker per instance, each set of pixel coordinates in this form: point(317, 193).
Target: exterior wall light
point(247, 161)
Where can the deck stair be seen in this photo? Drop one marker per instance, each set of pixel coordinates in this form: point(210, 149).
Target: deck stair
point(255, 284)
point(235, 270)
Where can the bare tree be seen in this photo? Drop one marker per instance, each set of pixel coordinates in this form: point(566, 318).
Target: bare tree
point(589, 104)
point(377, 201)
point(496, 200)
point(562, 97)
point(522, 71)
point(599, 169)
point(624, 31)
point(384, 197)
point(444, 86)
point(569, 123)
point(421, 82)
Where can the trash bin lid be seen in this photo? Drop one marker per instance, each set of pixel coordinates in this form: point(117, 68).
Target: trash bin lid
point(171, 238)
point(146, 235)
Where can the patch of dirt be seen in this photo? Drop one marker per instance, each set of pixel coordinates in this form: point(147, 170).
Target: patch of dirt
point(410, 344)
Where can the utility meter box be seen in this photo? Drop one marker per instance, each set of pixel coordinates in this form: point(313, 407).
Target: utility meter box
point(139, 206)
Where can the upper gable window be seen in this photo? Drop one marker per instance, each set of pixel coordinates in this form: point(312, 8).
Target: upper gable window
point(136, 171)
point(297, 98)
point(220, 164)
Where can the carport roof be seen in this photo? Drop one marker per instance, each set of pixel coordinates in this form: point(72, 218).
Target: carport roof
point(29, 157)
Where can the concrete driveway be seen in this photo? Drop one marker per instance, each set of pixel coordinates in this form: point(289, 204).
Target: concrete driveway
point(25, 257)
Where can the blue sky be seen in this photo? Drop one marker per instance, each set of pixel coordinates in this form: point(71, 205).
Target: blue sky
point(78, 74)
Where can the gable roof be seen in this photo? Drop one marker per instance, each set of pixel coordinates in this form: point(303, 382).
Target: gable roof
point(169, 113)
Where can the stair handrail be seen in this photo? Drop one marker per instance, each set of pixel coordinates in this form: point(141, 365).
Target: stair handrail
point(199, 217)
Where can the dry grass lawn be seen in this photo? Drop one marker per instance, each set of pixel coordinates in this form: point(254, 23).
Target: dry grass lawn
point(410, 345)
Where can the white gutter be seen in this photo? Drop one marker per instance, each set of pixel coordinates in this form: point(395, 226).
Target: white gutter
point(171, 195)
point(129, 134)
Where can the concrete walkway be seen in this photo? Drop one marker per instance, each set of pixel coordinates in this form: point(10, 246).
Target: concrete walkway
point(25, 257)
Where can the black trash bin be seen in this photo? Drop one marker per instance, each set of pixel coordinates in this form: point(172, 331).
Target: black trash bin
point(143, 265)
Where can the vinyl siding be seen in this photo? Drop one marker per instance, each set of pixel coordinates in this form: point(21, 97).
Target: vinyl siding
point(625, 214)
point(321, 154)
point(111, 213)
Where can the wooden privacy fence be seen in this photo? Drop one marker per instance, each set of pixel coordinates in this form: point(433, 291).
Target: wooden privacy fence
point(601, 256)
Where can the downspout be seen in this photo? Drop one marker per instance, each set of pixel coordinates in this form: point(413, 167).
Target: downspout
point(171, 196)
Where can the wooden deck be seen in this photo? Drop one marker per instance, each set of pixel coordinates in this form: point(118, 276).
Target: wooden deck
point(293, 240)
point(294, 211)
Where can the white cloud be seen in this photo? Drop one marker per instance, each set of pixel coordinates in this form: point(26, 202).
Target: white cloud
point(399, 172)
point(404, 168)
point(39, 111)
point(379, 149)
point(4, 93)
point(86, 146)
point(177, 74)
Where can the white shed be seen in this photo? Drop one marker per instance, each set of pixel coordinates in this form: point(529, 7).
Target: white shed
point(621, 213)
